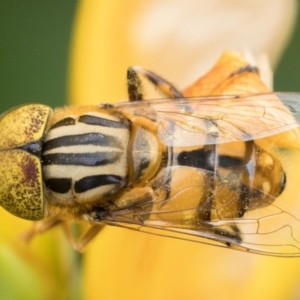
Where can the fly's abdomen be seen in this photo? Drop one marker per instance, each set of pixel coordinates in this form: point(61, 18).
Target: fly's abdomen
point(247, 178)
point(84, 157)
point(222, 180)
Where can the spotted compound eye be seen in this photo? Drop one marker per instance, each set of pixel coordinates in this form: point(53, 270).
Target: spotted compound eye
point(21, 183)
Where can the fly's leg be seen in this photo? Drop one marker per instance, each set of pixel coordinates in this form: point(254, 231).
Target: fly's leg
point(40, 227)
point(134, 84)
point(83, 240)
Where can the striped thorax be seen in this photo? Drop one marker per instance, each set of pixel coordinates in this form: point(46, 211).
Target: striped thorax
point(84, 155)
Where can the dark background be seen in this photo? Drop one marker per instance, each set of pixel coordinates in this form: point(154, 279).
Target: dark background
point(34, 47)
point(287, 73)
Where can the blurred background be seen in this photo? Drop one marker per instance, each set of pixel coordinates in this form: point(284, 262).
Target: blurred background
point(35, 53)
point(58, 52)
point(35, 43)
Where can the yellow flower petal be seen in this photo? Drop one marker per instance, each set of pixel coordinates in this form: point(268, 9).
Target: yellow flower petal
point(100, 53)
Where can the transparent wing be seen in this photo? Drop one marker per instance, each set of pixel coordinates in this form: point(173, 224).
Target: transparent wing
point(270, 230)
point(213, 120)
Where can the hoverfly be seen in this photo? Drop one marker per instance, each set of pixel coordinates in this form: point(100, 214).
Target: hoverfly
point(190, 168)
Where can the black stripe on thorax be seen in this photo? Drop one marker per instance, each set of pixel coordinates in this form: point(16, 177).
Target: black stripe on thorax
point(91, 182)
point(59, 185)
point(93, 138)
point(64, 185)
point(98, 121)
point(93, 159)
point(64, 122)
